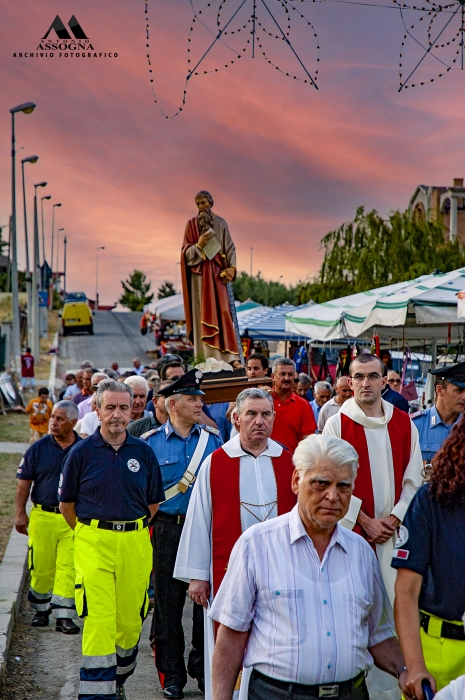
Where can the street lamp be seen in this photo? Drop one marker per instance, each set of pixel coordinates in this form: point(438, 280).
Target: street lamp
point(35, 344)
point(26, 108)
point(102, 247)
point(31, 159)
point(50, 294)
point(58, 256)
point(47, 196)
point(65, 241)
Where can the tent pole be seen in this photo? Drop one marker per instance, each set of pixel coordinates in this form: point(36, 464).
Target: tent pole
point(434, 353)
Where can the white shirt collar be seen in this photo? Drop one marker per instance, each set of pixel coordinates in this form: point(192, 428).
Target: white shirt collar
point(297, 530)
point(353, 410)
point(233, 448)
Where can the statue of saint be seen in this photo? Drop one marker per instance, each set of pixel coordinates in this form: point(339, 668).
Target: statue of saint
point(208, 263)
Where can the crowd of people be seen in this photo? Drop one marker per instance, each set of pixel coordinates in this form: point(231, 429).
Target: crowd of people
point(317, 530)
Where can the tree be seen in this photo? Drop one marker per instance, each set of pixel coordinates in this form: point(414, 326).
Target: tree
point(371, 252)
point(261, 291)
point(136, 291)
point(166, 290)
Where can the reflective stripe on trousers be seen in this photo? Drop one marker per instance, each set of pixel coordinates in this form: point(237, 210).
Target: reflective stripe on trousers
point(112, 572)
point(51, 564)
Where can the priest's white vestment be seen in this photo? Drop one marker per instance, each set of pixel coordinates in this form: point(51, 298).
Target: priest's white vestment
point(258, 502)
point(378, 441)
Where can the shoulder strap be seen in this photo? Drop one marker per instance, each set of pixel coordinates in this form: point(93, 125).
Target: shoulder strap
point(189, 475)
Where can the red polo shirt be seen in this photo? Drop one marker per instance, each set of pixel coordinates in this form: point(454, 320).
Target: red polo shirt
point(294, 420)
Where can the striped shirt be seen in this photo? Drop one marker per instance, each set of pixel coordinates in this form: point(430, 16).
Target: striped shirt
point(310, 621)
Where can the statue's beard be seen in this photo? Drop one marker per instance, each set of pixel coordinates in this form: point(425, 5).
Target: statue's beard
point(205, 220)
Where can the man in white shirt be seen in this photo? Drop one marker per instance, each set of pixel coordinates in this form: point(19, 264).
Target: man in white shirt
point(302, 601)
point(246, 481)
point(331, 407)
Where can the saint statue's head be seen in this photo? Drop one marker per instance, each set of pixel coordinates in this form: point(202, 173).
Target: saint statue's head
point(204, 200)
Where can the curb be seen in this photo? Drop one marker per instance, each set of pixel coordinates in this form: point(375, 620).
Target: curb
point(12, 574)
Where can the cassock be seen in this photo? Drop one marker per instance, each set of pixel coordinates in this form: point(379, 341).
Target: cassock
point(234, 491)
point(390, 472)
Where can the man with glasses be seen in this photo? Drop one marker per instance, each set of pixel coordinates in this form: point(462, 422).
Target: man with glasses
point(390, 472)
point(391, 392)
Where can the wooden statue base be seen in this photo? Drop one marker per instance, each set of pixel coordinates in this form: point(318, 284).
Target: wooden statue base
point(225, 386)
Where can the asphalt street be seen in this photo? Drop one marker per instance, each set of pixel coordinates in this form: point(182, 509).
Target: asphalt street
point(117, 337)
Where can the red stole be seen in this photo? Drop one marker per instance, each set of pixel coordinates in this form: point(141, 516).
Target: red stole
point(215, 315)
point(226, 506)
point(399, 429)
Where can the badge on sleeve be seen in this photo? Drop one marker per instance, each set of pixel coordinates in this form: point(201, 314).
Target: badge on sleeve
point(402, 537)
point(401, 553)
point(133, 465)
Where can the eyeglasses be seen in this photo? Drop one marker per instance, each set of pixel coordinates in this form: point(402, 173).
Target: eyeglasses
point(373, 377)
point(394, 381)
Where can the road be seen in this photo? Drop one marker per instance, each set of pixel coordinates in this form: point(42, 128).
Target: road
point(116, 338)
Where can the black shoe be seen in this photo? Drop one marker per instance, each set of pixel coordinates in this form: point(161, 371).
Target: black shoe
point(173, 692)
point(40, 619)
point(120, 692)
point(201, 685)
point(66, 626)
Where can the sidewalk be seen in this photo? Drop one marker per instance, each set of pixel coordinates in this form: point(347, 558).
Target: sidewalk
point(13, 447)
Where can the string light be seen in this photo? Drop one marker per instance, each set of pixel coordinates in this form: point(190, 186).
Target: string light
point(250, 29)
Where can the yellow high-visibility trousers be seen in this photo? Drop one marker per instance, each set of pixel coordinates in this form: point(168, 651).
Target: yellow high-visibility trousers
point(444, 658)
point(112, 573)
point(51, 563)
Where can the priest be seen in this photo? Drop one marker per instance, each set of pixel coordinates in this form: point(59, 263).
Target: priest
point(246, 481)
point(389, 473)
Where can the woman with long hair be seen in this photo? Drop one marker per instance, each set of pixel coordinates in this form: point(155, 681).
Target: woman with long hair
point(430, 586)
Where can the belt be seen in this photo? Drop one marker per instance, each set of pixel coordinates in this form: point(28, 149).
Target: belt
point(117, 526)
point(47, 509)
point(168, 518)
point(326, 690)
point(447, 630)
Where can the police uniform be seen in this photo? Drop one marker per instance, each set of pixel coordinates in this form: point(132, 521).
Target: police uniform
point(112, 490)
point(174, 454)
point(50, 543)
point(431, 542)
point(432, 430)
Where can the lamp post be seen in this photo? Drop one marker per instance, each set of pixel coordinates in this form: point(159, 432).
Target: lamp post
point(102, 247)
point(35, 343)
point(26, 108)
point(47, 196)
point(65, 241)
point(58, 257)
point(31, 159)
point(50, 295)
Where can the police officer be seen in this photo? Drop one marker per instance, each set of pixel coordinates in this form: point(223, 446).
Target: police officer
point(110, 488)
point(180, 446)
point(434, 424)
point(50, 537)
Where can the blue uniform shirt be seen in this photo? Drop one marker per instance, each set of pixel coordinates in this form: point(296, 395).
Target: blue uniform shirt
point(107, 484)
point(431, 430)
point(431, 542)
point(316, 410)
point(42, 464)
point(174, 454)
point(395, 398)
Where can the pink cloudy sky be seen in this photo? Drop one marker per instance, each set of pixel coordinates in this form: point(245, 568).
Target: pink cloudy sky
point(284, 162)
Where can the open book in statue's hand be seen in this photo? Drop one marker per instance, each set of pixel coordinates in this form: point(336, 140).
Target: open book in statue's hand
point(212, 246)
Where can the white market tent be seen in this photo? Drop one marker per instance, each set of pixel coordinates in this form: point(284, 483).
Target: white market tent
point(424, 308)
point(170, 308)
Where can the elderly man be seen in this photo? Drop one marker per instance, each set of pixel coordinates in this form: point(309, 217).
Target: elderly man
point(391, 391)
point(140, 390)
point(303, 596)
point(180, 446)
point(246, 481)
point(136, 366)
point(85, 392)
point(322, 392)
point(304, 387)
point(50, 538)
point(85, 406)
point(331, 407)
point(153, 420)
point(111, 486)
point(294, 417)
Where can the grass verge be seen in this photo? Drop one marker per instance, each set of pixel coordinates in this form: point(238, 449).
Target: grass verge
point(8, 467)
point(14, 427)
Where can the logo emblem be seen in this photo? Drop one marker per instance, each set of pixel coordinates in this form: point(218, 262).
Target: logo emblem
point(402, 537)
point(133, 465)
point(62, 32)
point(198, 376)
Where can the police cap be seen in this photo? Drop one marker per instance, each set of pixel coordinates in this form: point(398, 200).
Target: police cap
point(189, 383)
point(453, 375)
